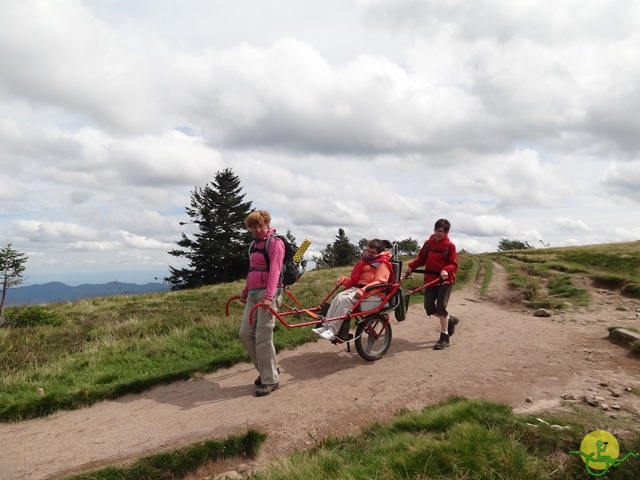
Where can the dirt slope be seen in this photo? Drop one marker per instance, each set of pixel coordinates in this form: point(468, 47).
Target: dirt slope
point(500, 352)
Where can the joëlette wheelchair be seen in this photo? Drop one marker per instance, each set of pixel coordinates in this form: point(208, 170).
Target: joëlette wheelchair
point(372, 331)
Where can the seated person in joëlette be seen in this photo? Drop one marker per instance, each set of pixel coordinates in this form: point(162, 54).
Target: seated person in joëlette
point(372, 269)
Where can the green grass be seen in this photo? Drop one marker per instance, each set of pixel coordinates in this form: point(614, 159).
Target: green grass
point(456, 439)
point(182, 462)
point(105, 348)
point(485, 272)
point(70, 355)
point(545, 276)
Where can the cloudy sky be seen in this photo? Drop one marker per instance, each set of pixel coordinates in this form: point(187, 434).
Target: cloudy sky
point(514, 120)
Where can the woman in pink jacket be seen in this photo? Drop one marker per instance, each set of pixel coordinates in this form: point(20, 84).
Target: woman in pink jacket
point(262, 286)
point(439, 258)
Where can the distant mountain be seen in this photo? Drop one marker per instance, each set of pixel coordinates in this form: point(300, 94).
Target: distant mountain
point(53, 292)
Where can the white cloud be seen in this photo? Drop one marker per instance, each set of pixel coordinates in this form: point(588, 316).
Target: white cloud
point(513, 120)
point(623, 181)
point(570, 224)
point(143, 243)
point(484, 225)
point(56, 232)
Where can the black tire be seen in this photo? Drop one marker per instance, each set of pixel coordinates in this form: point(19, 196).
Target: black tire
point(373, 337)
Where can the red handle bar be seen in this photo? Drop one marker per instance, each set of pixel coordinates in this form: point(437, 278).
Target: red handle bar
point(226, 307)
point(425, 285)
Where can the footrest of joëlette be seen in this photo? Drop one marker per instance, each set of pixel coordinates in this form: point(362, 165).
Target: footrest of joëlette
point(339, 340)
point(342, 338)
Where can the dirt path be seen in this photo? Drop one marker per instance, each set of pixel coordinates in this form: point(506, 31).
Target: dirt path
point(500, 352)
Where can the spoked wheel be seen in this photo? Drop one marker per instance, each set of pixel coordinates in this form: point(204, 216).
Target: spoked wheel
point(373, 337)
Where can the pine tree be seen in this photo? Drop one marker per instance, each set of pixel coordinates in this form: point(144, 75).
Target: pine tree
point(218, 252)
point(338, 254)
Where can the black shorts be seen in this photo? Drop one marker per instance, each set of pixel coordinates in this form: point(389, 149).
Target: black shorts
point(437, 298)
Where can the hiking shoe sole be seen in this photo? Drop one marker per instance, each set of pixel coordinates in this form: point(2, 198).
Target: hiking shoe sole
point(264, 390)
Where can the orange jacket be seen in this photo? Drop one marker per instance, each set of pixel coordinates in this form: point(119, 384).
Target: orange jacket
point(367, 273)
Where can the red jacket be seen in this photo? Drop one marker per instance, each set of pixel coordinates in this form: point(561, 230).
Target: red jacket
point(436, 256)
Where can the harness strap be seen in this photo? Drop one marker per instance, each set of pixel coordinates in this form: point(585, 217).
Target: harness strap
point(264, 251)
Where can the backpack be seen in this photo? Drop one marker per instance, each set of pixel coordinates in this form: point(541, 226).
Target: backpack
point(445, 254)
point(403, 303)
point(400, 303)
point(291, 270)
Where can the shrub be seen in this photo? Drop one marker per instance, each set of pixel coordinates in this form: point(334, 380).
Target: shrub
point(31, 316)
point(631, 290)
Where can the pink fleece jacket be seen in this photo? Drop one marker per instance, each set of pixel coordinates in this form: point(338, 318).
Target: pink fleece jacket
point(257, 279)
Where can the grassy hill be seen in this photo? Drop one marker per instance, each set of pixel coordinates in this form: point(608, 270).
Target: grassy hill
point(70, 355)
point(614, 266)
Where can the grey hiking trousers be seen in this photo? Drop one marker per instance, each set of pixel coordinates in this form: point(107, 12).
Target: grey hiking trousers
point(257, 338)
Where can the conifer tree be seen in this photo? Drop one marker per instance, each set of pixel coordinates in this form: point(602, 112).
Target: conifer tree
point(217, 253)
point(339, 253)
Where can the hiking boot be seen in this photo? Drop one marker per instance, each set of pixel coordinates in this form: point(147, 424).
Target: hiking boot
point(264, 390)
point(442, 343)
point(453, 321)
point(258, 381)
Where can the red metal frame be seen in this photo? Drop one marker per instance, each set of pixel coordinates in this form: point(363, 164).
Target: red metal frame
point(313, 312)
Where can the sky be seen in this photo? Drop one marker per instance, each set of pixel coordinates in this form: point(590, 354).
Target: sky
point(514, 120)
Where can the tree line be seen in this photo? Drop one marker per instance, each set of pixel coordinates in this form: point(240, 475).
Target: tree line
point(216, 252)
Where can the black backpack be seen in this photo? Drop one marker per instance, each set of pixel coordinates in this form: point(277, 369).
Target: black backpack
point(403, 303)
point(291, 270)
